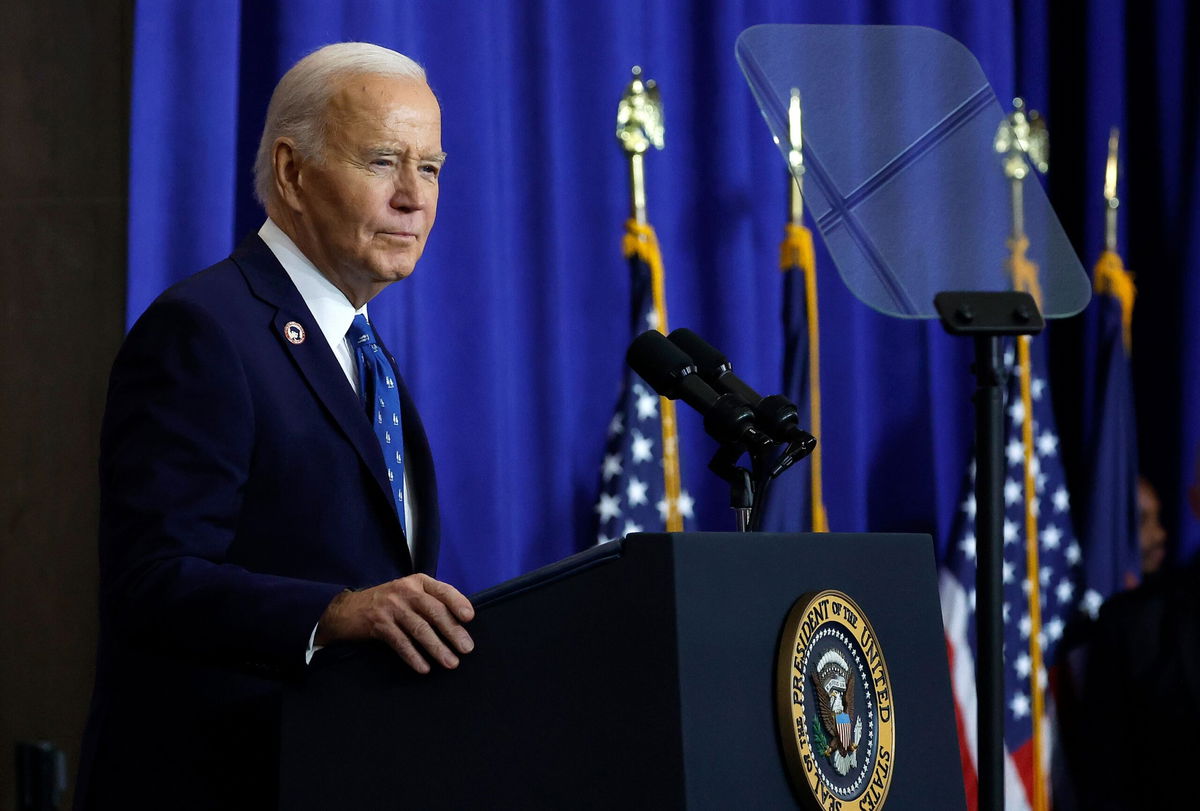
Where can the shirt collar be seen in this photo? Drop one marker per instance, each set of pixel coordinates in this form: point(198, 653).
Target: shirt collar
point(329, 306)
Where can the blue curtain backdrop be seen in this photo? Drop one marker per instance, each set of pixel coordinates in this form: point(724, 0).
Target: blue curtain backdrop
point(511, 333)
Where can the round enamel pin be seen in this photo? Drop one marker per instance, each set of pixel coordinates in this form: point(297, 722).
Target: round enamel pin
point(294, 332)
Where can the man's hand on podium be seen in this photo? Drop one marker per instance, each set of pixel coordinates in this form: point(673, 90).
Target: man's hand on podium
point(409, 614)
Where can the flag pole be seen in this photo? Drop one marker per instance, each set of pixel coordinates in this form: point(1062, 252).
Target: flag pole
point(640, 126)
point(797, 252)
point(1111, 201)
point(1023, 140)
point(1110, 276)
point(986, 316)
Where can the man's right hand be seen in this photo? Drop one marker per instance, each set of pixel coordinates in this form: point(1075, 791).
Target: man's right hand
point(415, 615)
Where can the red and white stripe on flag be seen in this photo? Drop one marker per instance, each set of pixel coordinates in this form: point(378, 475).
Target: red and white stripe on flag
point(1018, 765)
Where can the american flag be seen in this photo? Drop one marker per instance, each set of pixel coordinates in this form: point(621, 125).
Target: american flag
point(633, 493)
point(1057, 580)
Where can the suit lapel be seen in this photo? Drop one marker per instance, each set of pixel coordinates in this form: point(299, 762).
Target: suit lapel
point(311, 354)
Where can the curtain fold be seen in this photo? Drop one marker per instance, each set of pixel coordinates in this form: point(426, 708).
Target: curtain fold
point(511, 332)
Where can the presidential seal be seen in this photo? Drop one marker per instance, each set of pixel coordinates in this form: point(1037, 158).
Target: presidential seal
point(834, 705)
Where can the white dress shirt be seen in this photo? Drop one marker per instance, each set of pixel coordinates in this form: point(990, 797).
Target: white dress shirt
point(333, 313)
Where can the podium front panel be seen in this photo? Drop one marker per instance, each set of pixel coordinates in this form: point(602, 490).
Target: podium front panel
point(639, 677)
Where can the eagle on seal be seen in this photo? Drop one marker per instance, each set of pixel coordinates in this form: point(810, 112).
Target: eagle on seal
point(835, 700)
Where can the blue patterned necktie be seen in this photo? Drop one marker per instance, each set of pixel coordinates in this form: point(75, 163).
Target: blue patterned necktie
point(381, 399)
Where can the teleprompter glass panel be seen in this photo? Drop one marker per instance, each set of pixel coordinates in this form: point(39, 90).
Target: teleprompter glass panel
point(900, 170)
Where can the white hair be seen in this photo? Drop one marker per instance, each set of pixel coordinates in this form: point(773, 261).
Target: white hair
point(300, 100)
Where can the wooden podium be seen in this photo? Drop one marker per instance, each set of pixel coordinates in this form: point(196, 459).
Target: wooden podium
point(637, 674)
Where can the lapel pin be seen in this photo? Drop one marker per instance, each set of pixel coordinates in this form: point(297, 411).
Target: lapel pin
point(294, 332)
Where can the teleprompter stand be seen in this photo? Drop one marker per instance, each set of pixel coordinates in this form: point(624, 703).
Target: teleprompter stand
point(986, 318)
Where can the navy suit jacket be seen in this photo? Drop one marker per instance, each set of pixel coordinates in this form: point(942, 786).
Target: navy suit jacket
point(242, 488)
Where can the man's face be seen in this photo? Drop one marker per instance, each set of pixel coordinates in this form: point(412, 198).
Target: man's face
point(366, 207)
point(1152, 538)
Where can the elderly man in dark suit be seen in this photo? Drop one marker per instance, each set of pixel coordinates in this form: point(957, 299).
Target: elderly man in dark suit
point(267, 488)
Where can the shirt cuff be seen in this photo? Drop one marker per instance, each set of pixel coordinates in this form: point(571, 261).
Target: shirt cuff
point(312, 646)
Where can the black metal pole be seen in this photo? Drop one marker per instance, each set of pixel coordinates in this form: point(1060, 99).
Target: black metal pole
point(986, 316)
point(989, 551)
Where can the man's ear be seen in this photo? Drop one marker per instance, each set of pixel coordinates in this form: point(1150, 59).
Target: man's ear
point(286, 162)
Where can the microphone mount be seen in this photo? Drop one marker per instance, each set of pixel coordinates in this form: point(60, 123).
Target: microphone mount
point(687, 367)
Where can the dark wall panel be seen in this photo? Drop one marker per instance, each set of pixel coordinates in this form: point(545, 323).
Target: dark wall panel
point(63, 108)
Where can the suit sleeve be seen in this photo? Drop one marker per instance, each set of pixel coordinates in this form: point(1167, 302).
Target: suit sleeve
point(176, 449)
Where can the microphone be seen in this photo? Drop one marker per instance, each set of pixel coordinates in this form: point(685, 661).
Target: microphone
point(671, 373)
point(775, 415)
